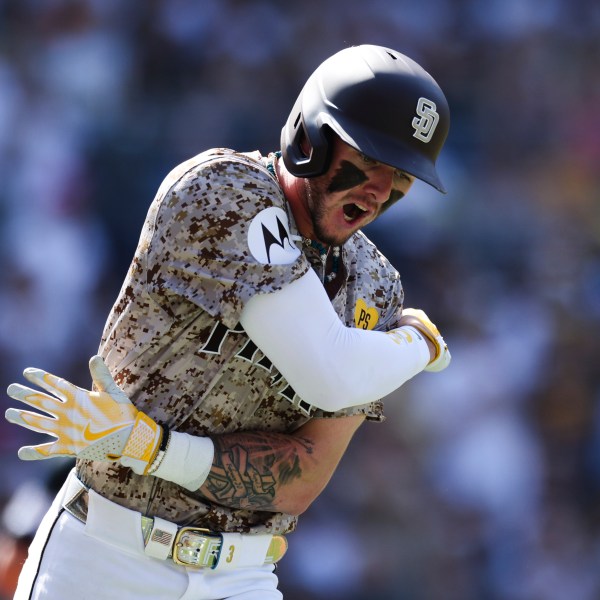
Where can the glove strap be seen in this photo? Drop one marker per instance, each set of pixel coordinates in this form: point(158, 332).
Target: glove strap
point(143, 444)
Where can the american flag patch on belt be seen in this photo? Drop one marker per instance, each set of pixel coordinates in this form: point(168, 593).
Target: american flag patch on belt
point(161, 537)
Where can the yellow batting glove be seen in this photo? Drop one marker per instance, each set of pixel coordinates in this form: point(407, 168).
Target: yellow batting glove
point(419, 320)
point(93, 425)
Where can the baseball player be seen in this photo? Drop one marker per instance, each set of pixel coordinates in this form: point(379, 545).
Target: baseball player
point(256, 329)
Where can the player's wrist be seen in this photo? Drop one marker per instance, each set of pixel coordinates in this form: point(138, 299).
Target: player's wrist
point(421, 343)
point(186, 460)
point(433, 349)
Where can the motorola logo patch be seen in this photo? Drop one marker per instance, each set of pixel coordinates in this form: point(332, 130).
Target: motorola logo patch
point(269, 238)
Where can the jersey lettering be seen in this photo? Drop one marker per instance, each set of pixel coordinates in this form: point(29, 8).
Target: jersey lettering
point(289, 394)
point(217, 336)
point(249, 352)
point(265, 363)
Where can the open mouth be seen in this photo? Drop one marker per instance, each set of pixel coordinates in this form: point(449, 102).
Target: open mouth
point(353, 212)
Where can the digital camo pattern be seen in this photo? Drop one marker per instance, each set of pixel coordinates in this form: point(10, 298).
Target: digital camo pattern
point(173, 342)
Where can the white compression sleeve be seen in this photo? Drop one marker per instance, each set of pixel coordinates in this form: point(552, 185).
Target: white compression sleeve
point(329, 365)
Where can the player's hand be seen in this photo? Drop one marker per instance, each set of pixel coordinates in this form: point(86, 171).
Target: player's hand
point(93, 425)
point(419, 320)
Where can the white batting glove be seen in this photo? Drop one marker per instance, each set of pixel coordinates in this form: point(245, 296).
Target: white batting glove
point(102, 425)
point(419, 320)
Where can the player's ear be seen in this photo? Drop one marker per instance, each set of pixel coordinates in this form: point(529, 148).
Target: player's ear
point(304, 143)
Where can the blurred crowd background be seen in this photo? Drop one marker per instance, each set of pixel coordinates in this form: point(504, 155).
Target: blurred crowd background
point(484, 481)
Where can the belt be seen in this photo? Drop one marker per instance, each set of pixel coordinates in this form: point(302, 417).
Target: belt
point(193, 547)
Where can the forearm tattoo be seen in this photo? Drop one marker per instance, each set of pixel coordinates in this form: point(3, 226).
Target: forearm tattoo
point(249, 468)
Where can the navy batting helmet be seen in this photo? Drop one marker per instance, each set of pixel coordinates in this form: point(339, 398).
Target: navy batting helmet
point(378, 101)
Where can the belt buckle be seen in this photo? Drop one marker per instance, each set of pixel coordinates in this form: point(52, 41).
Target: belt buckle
point(277, 549)
point(196, 547)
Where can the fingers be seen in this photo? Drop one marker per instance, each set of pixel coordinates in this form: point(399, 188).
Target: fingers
point(51, 383)
point(33, 398)
point(101, 375)
point(417, 313)
point(40, 424)
point(40, 452)
point(441, 362)
point(104, 380)
point(419, 319)
point(33, 421)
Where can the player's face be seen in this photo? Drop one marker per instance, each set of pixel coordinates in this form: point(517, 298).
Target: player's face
point(351, 194)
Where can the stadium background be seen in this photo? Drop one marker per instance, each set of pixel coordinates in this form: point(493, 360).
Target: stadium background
point(484, 481)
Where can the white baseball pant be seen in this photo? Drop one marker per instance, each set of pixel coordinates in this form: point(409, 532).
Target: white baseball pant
point(68, 561)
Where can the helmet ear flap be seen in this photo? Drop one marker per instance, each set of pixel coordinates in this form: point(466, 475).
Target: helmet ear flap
point(299, 149)
point(306, 154)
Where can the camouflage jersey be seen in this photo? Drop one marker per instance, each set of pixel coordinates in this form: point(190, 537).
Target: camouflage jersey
point(218, 232)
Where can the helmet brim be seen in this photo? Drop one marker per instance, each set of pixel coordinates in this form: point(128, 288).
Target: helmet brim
point(385, 149)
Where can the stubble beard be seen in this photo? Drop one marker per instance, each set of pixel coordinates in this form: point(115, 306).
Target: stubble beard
point(315, 200)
